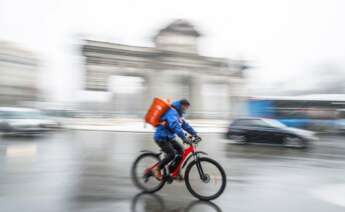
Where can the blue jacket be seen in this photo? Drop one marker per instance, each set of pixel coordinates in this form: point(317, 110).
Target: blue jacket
point(175, 125)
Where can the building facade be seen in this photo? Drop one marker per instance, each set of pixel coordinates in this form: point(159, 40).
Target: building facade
point(172, 69)
point(18, 75)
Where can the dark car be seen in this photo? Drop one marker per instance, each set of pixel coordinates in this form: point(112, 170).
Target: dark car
point(268, 131)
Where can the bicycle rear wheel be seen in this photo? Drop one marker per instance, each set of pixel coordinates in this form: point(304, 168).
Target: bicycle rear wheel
point(143, 179)
point(213, 184)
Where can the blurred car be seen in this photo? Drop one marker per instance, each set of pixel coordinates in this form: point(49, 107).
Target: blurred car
point(268, 131)
point(340, 122)
point(14, 120)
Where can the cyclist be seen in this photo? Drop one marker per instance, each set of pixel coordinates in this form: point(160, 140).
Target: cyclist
point(165, 135)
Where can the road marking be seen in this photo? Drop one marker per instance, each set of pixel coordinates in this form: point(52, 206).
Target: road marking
point(21, 151)
point(334, 194)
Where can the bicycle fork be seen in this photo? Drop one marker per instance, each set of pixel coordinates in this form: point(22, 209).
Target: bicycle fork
point(202, 175)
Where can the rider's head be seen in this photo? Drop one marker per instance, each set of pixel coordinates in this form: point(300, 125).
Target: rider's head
point(181, 106)
point(184, 105)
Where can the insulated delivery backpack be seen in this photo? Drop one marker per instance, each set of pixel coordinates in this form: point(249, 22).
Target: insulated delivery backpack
point(156, 111)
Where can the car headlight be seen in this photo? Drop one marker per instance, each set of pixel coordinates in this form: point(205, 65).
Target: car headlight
point(311, 136)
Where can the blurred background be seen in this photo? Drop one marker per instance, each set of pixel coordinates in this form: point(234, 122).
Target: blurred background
point(77, 77)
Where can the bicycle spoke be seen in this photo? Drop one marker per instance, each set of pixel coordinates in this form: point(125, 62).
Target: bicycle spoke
point(206, 179)
point(142, 175)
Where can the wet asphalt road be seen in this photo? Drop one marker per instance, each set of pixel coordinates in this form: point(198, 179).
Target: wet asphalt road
point(89, 171)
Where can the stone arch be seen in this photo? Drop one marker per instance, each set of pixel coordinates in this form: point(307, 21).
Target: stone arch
point(129, 93)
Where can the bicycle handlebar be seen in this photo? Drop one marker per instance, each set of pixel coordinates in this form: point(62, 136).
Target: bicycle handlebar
point(193, 140)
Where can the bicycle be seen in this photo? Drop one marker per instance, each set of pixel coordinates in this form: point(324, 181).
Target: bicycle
point(200, 169)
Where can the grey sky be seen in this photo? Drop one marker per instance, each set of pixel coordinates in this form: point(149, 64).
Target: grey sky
point(281, 38)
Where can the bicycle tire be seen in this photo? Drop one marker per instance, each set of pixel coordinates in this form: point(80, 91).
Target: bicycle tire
point(135, 179)
point(193, 192)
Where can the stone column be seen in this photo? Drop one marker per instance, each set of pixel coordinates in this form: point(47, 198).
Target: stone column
point(238, 103)
point(155, 86)
point(196, 97)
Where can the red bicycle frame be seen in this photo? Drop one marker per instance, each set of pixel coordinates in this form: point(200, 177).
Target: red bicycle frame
point(175, 173)
point(187, 151)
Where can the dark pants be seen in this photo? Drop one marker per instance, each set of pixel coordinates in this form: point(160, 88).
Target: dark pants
point(173, 151)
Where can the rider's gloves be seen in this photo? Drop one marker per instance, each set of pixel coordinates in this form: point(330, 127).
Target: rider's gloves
point(186, 140)
point(197, 138)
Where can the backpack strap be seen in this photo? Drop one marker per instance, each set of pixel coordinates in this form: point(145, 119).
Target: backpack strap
point(164, 123)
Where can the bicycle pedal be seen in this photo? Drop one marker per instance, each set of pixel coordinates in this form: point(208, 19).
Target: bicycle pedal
point(169, 179)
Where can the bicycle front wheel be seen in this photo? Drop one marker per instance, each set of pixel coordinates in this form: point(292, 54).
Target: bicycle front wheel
point(209, 186)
